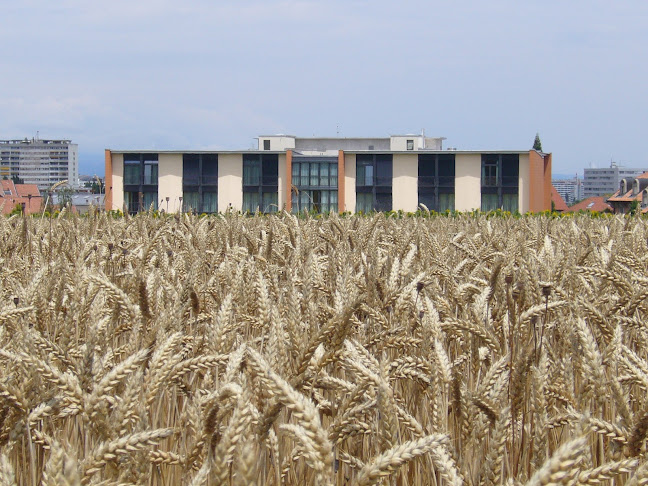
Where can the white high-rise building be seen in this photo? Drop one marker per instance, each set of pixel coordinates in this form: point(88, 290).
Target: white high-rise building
point(40, 162)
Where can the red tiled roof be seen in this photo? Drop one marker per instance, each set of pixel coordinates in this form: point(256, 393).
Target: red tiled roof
point(8, 185)
point(627, 197)
point(559, 202)
point(596, 203)
point(27, 189)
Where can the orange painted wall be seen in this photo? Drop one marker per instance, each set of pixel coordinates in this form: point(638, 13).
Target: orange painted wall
point(109, 181)
point(539, 182)
point(341, 206)
point(547, 181)
point(289, 180)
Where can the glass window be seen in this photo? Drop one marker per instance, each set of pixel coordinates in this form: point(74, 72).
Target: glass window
point(190, 201)
point(150, 201)
point(410, 145)
point(209, 202)
point(364, 202)
point(209, 169)
point(251, 202)
point(150, 173)
point(251, 172)
point(132, 174)
point(270, 202)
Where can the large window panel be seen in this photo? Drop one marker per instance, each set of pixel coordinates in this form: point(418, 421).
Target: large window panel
point(261, 182)
point(200, 183)
point(132, 173)
point(140, 182)
point(500, 182)
point(374, 174)
point(436, 181)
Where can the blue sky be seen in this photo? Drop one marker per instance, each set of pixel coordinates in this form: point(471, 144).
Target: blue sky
point(158, 74)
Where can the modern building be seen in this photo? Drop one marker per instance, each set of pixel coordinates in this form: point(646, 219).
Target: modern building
point(571, 190)
point(40, 162)
point(27, 196)
point(603, 182)
point(399, 172)
point(632, 194)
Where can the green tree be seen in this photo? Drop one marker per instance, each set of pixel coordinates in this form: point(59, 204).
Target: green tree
point(17, 180)
point(537, 144)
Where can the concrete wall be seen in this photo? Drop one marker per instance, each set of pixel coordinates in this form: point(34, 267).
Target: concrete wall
point(169, 181)
point(117, 190)
point(284, 181)
point(399, 142)
point(524, 184)
point(230, 181)
point(278, 142)
point(404, 183)
point(467, 182)
point(349, 183)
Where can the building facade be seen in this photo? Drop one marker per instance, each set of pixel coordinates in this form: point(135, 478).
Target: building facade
point(603, 182)
point(329, 174)
point(40, 162)
point(571, 190)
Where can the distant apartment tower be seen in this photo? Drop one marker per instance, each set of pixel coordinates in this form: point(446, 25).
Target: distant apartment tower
point(40, 162)
point(571, 190)
point(599, 182)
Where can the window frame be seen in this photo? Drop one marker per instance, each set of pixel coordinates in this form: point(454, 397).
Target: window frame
point(202, 182)
point(435, 185)
point(502, 184)
point(267, 183)
point(142, 187)
point(380, 186)
point(308, 180)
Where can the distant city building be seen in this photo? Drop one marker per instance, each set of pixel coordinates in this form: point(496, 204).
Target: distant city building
point(571, 190)
point(601, 182)
point(632, 191)
point(40, 162)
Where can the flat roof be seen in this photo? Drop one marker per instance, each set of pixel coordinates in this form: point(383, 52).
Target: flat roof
point(279, 152)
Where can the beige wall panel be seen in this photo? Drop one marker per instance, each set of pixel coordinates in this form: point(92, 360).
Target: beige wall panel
point(467, 182)
point(283, 182)
point(230, 182)
point(170, 181)
point(524, 184)
point(404, 183)
point(117, 182)
point(349, 183)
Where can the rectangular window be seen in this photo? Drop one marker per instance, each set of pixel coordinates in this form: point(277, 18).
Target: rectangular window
point(266, 145)
point(260, 183)
point(500, 182)
point(436, 181)
point(140, 182)
point(410, 145)
point(374, 182)
point(315, 184)
point(200, 183)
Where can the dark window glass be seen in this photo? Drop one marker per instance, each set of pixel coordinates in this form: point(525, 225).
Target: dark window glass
point(374, 174)
point(436, 181)
point(315, 181)
point(500, 181)
point(200, 183)
point(266, 145)
point(261, 182)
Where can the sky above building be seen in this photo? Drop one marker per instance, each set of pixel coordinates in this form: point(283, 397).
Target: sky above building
point(162, 74)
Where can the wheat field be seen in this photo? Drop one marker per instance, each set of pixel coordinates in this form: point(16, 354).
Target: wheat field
point(278, 350)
